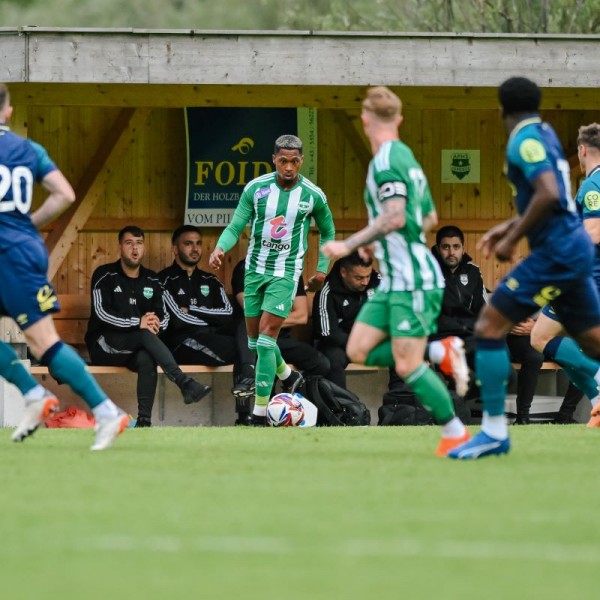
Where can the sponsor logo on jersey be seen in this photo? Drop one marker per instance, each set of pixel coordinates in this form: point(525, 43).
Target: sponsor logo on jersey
point(280, 307)
point(303, 206)
point(512, 284)
point(592, 200)
point(204, 290)
point(118, 289)
point(181, 292)
point(278, 227)
point(403, 326)
point(148, 292)
point(532, 151)
point(262, 193)
point(464, 278)
point(345, 302)
point(275, 245)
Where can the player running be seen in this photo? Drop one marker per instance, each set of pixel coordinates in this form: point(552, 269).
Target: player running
point(279, 206)
point(557, 270)
point(392, 327)
point(26, 294)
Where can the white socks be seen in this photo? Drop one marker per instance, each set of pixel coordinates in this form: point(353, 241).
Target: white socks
point(495, 427)
point(105, 411)
point(454, 428)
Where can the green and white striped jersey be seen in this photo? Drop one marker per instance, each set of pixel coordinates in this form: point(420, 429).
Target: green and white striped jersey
point(279, 225)
point(405, 262)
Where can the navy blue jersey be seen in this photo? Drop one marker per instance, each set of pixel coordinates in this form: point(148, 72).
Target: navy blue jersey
point(532, 149)
point(22, 162)
point(588, 205)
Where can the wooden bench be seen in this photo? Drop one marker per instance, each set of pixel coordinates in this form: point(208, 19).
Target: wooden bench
point(71, 324)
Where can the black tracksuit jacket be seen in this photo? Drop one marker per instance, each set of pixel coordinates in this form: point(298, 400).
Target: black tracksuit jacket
point(335, 308)
point(202, 294)
point(464, 296)
point(119, 302)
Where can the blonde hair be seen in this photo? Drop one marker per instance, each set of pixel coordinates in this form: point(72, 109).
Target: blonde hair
point(383, 103)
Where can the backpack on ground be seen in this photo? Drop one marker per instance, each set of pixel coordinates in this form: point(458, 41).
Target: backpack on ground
point(401, 407)
point(336, 405)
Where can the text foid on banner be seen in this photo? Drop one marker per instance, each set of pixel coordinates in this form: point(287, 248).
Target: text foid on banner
point(228, 147)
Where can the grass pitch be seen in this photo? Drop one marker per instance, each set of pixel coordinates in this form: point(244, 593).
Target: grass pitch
point(220, 513)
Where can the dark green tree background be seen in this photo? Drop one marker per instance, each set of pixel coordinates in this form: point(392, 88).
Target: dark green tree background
point(481, 16)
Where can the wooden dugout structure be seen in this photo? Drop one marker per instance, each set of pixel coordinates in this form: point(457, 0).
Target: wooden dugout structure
point(107, 105)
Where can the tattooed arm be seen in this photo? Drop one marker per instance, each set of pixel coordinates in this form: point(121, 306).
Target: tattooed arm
point(392, 218)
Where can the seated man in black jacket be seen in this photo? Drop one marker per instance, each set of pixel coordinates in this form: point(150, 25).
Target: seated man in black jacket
point(464, 296)
point(127, 315)
point(204, 328)
point(335, 308)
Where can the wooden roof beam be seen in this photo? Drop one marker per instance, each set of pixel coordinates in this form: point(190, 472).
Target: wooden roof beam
point(120, 136)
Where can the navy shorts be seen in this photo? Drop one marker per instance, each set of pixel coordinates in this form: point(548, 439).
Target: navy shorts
point(26, 295)
point(539, 280)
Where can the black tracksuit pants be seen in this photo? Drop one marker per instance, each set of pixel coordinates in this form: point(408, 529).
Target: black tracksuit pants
point(139, 351)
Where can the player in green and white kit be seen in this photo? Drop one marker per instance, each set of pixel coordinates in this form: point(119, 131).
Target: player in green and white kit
point(279, 206)
point(393, 326)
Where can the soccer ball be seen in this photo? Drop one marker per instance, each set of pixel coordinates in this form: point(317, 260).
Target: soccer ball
point(284, 410)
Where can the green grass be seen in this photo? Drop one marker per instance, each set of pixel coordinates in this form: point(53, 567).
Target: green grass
point(288, 514)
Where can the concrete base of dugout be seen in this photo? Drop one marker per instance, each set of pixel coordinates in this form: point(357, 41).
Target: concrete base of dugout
point(217, 408)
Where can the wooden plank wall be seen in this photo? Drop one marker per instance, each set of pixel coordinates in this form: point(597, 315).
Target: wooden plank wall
point(148, 186)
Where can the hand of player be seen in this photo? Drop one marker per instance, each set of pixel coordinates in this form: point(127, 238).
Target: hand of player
point(524, 327)
point(367, 253)
point(150, 322)
point(216, 258)
point(487, 243)
point(334, 249)
point(505, 249)
point(315, 283)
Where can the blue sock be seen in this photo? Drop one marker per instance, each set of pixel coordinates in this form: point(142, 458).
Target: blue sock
point(579, 367)
point(492, 369)
point(68, 367)
point(12, 370)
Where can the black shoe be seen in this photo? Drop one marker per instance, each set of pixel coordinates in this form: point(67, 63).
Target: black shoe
point(256, 421)
point(522, 420)
point(244, 388)
point(293, 382)
point(244, 419)
point(143, 422)
point(563, 420)
point(193, 391)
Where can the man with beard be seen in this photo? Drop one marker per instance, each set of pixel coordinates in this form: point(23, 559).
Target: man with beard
point(204, 328)
point(347, 287)
point(127, 315)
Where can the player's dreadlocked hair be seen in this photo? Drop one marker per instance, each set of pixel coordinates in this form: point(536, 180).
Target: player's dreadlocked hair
point(519, 95)
point(589, 135)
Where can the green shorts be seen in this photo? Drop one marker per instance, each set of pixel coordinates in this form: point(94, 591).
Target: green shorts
point(265, 293)
point(403, 314)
